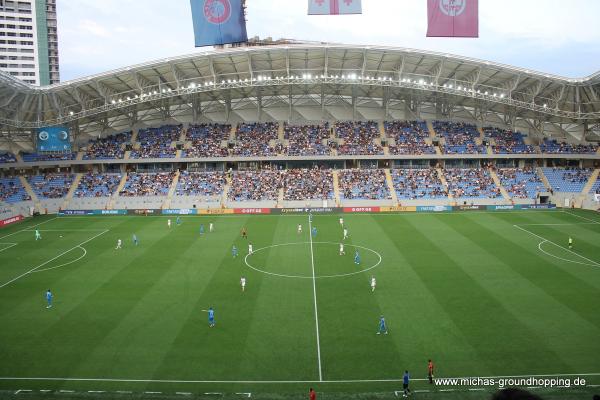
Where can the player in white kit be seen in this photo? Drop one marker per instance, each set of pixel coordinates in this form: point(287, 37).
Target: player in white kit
point(243, 283)
point(249, 248)
point(373, 283)
point(345, 233)
point(211, 227)
point(299, 229)
point(342, 249)
point(119, 243)
point(341, 221)
point(169, 222)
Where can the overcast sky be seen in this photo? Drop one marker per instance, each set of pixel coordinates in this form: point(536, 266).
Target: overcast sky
point(554, 36)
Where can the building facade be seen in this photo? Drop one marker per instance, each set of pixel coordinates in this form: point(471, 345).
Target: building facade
point(29, 40)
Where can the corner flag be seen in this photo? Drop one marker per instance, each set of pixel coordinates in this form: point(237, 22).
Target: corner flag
point(218, 22)
point(452, 18)
point(334, 7)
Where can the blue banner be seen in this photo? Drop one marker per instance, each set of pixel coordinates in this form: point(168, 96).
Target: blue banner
point(53, 138)
point(180, 211)
point(433, 208)
point(92, 212)
point(218, 22)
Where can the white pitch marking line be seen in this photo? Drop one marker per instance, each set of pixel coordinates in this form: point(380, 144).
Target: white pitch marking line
point(475, 389)
point(123, 391)
point(245, 394)
point(52, 259)
point(22, 390)
point(560, 258)
point(65, 264)
point(153, 392)
point(312, 262)
point(183, 393)
point(414, 391)
point(96, 391)
point(64, 230)
point(29, 227)
point(584, 218)
point(45, 390)
point(10, 245)
point(534, 387)
point(564, 224)
point(6, 378)
point(67, 391)
point(447, 390)
point(559, 246)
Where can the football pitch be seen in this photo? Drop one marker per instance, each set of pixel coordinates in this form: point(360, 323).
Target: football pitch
point(483, 294)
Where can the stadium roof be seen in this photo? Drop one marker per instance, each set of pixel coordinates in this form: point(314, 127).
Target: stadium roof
point(306, 82)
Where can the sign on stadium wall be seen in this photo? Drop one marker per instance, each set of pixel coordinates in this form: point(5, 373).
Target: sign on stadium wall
point(398, 209)
point(306, 210)
point(433, 208)
point(361, 209)
point(182, 211)
point(252, 211)
point(11, 220)
point(215, 211)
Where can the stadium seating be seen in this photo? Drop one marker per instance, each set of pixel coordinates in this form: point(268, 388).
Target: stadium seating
point(520, 183)
point(156, 142)
point(200, 183)
point(471, 183)
point(567, 180)
point(6, 158)
point(596, 187)
point(255, 185)
point(507, 142)
point(37, 157)
point(97, 185)
point(306, 140)
point(147, 184)
point(413, 184)
point(409, 137)
point(252, 140)
point(12, 191)
point(107, 148)
point(206, 140)
point(363, 184)
point(308, 184)
point(51, 186)
point(459, 137)
point(553, 146)
point(358, 138)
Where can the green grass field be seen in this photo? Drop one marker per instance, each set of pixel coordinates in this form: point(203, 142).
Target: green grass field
point(482, 294)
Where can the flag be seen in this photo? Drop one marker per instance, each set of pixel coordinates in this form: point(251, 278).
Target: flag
point(334, 7)
point(453, 18)
point(218, 22)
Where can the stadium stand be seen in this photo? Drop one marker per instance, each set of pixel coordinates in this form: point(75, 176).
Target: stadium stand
point(567, 180)
point(255, 185)
point(37, 157)
point(147, 184)
point(206, 140)
point(200, 183)
point(306, 140)
point(471, 183)
point(459, 137)
point(358, 138)
point(555, 147)
point(252, 139)
point(97, 185)
point(6, 158)
point(520, 183)
point(409, 137)
point(110, 147)
point(507, 141)
point(156, 142)
point(413, 184)
point(363, 184)
point(12, 191)
point(308, 184)
point(51, 186)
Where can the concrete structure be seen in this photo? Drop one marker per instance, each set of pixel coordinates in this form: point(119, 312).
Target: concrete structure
point(29, 41)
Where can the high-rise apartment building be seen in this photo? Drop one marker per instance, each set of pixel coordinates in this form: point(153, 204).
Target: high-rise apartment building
point(29, 40)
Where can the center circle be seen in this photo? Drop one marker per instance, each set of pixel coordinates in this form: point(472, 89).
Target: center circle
point(316, 276)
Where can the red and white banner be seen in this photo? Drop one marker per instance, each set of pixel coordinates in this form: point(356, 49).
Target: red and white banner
point(11, 220)
point(452, 18)
point(334, 7)
point(361, 209)
point(252, 211)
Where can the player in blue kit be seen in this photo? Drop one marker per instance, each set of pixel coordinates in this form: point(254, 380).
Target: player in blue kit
point(382, 326)
point(211, 317)
point(234, 251)
point(49, 298)
point(356, 258)
point(178, 220)
point(135, 239)
point(314, 232)
point(202, 229)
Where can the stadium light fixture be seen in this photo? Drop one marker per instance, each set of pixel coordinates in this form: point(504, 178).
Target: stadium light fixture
point(352, 76)
point(460, 88)
point(155, 92)
point(545, 105)
point(70, 112)
point(486, 93)
point(120, 100)
point(128, 98)
point(501, 95)
point(450, 86)
point(114, 101)
point(421, 81)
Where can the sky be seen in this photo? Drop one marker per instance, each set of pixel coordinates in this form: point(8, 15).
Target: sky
point(560, 37)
